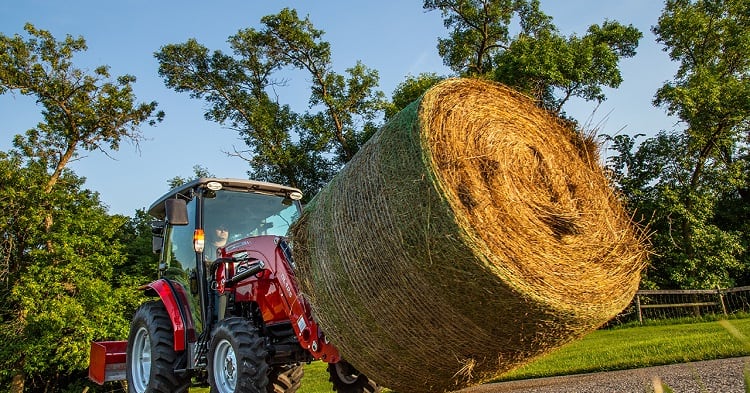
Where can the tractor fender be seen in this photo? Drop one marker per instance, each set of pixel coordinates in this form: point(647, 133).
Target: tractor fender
point(175, 301)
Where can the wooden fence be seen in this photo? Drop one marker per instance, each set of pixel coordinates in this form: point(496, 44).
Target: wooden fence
point(663, 304)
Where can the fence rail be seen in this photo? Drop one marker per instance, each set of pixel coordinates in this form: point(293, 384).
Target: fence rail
point(665, 304)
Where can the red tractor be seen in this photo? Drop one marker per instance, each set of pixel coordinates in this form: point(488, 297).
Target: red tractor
point(227, 311)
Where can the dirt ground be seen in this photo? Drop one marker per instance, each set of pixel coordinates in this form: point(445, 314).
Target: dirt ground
point(712, 376)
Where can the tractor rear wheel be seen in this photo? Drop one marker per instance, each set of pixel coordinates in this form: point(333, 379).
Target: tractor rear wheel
point(151, 360)
point(237, 358)
point(285, 379)
point(346, 379)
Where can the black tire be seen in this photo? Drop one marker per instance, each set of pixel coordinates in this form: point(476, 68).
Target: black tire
point(285, 379)
point(346, 379)
point(237, 358)
point(151, 358)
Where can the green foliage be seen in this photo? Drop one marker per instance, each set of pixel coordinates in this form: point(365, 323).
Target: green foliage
point(56, 299)
point(65, 277)
point(301, 150)
point(538, 60)
point(653, 181)
point(693, 187)
point(545, 63)
point(409, 91)
point(140, 260)
point(479, 33)
point(81, 111)
point(198, 172)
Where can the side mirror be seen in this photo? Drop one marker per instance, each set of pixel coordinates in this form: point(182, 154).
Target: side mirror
point(157, 227)
point(157, 239)
point(176, 210)
point(157, 243)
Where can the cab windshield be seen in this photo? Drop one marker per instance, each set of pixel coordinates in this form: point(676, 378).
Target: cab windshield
point(244, 214)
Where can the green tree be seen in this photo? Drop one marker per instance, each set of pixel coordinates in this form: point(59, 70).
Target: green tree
point(538, 60)
point(60, 248)
point(652, 177)
point(409, 90)
point(301, 150)
point(198, 172)
point(141, 262)
point(693, 186)
point(81, 111)
point(55, 300)
point(480, 31)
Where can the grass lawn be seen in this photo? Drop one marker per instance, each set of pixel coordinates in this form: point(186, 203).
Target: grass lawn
point(635, 347)
point(613, 349)
point(315, 379)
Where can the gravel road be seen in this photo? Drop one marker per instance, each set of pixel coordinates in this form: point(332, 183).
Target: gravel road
point(711, 376)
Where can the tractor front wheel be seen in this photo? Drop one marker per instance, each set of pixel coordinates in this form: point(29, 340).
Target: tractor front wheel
point(346, 379)
point(151, 359)
point(237, 356)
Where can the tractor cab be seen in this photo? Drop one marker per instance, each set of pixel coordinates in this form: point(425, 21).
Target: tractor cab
point(205, 215)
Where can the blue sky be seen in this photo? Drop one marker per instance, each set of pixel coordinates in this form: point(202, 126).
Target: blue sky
point(395, 37)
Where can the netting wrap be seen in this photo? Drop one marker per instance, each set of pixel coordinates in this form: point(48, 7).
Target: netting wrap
point(472, 233)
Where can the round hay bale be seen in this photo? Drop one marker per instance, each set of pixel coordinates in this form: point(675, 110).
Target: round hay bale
point(472, 233)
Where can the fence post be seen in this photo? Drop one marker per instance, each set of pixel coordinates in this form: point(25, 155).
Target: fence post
point(638, 307)
point(721, 300)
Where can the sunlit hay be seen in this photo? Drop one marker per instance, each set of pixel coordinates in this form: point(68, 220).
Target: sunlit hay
point(472, 233)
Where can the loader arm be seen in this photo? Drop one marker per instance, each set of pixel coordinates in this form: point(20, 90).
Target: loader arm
point(274, 288)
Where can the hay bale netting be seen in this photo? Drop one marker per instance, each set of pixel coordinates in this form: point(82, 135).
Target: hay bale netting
point(472, 233)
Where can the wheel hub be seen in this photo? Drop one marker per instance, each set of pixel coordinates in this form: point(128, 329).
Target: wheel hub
point(141, 364)
point(225, 367)
point(229, 368)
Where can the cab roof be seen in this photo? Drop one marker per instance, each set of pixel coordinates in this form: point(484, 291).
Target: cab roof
point(157, 208)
